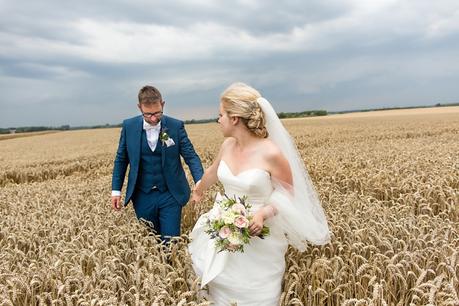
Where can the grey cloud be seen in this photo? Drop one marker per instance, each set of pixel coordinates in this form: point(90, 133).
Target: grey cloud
point(332, 55)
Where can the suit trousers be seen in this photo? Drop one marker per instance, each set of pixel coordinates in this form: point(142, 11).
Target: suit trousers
point(161, 209)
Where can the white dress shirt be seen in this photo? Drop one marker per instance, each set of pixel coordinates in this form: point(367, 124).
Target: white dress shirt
point(152, 133)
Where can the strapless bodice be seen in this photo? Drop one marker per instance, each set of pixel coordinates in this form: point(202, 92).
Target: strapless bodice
point(255, 183)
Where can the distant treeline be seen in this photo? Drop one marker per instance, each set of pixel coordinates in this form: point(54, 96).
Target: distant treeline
point(29, 129)
point(282, 115)
point(303, 114)
point(395, 107)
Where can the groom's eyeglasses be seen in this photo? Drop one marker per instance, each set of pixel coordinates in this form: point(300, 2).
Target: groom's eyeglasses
point(149, 115)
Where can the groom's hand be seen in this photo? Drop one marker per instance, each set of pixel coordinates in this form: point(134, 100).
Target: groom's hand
point(116, 202)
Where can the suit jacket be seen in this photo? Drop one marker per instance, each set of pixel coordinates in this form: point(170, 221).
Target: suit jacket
point(129, 150)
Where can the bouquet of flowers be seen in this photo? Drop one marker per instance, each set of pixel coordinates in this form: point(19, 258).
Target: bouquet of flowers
point(228, 223)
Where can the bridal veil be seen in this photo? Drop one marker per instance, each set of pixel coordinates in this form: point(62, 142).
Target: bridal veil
point(300, 213)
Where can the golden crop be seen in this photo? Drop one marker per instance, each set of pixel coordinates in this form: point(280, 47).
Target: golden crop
point(388, 181)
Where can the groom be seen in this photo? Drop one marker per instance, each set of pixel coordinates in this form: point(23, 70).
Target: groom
point(151, 144)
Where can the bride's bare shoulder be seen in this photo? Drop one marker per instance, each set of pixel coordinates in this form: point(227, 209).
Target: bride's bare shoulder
point(225, 147)
point(270, 148)
point(277, 163)
point(273, 153)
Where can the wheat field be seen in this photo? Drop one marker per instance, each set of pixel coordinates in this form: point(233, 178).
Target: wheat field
point(388, 181)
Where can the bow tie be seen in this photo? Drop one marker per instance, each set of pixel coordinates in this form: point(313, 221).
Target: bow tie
point(147, 126)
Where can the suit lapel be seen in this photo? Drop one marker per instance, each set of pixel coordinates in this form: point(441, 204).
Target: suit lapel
point(160, 143)
point(138, 136)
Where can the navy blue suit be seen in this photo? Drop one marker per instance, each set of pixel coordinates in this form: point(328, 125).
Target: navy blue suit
point(157, 184)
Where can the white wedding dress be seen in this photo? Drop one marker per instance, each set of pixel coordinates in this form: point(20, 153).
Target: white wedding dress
point(253, 277)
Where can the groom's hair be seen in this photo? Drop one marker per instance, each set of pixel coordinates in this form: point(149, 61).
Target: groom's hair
point(149, 95)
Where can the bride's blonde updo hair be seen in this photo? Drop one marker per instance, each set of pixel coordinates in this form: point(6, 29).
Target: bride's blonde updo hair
point(240, 100)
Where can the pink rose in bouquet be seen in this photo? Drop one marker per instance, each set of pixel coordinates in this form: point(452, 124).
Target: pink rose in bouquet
point(224, 232)
point(227, 223)
point(241, 222)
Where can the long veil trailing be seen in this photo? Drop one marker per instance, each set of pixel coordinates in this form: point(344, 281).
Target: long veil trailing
point(300, 214)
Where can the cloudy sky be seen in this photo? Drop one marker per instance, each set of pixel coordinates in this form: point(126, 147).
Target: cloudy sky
point(83, 62)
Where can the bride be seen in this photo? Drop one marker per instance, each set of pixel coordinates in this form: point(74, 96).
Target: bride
point(259, 160)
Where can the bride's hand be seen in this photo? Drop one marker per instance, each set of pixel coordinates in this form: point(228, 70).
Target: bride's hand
point(197, 195)
point(256, 225)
